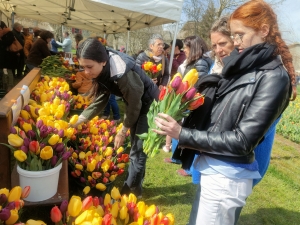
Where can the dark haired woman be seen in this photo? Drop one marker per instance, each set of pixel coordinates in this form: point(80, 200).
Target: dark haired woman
point(258, 80)
point(39, 50)
point(116, 73)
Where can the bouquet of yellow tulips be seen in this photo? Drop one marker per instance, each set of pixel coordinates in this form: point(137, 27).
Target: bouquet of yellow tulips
point(112, 209)
point(11, 202)
point(151, 69)
point(94, 162)
point(176, 100)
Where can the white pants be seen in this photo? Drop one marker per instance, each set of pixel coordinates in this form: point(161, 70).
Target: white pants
point(220, 196)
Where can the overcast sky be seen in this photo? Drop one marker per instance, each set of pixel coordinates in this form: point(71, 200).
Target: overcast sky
point(289, 20)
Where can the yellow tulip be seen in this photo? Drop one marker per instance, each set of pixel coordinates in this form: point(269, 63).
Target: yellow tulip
point(14, 194)
point(94, 130)
point(73, 119)
point(14, 216)
point(46, 153)
point(74, 155)
point(150, 211)
point(107, 199)
point(121, 165)
point(132, 198)
point(75, 206)
point(27, 127)
point(91, 165)
point(15, 140)
point(82, 155)
point(70, 132)
point(115, 209)
point(191, 77)
point(105, 165)
point(124, 200)
point(103, 126)
point(86, 190)
point(171, 218)
point(115, 193)
point(59, 114)
point(141, 208)
point(35, 222)
point(20, 155)
point(82, 217)
point(78, 166)
point(97, 221)
point(108, 151)
point(113, 177)
point(100, 186)
point(43, 97)
point(100, 210)
point(123, 212)
point(56, 101)
point(25, 115)
point(4, 191)
point(53, 139)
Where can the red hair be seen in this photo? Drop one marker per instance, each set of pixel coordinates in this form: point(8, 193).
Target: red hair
point(254, 14)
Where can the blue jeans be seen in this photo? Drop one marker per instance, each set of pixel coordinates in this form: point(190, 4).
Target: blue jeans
point(114, 106)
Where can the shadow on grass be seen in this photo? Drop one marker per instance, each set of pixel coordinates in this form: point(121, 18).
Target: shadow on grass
point(271, 216)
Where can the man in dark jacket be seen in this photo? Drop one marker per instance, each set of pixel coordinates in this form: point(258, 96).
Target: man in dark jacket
point(17, 27)
point(179, 56)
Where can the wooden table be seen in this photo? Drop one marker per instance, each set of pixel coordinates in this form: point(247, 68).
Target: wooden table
point(62, 190)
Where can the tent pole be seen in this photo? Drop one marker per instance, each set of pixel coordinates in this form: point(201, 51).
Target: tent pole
point(173, 48)
point(127, 47)
point(12, 19)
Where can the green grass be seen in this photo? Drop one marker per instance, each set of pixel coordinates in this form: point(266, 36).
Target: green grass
point(274, 201)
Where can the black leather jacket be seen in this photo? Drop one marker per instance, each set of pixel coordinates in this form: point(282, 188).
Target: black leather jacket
point(242, 115)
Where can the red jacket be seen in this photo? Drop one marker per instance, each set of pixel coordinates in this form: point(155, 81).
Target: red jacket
point(177, 61)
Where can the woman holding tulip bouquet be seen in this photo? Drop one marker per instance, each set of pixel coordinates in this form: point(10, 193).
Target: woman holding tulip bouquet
point(254, 91)
point(116, 73)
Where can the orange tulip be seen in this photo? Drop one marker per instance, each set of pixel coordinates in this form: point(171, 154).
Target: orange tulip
point(55, 214)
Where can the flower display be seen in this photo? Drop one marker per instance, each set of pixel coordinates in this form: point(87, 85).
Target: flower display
point(10, 204)
point(55, 66)
point(151, 69)
point(94, 161)
point(81, 102)
point(176, 100)
point(112, 209)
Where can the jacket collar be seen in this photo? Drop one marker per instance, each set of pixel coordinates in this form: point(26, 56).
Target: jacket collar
point(252, 76)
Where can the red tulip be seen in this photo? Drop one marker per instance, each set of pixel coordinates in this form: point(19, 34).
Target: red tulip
point(87, 203)
point(182, 88)
point(196, 103)
point(96, 201)
point(162, 93)
point(34, 147)
point(107, 219)
point(56, 215)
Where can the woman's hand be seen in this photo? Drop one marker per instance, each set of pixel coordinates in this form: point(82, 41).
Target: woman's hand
point(160, 87)
point(119, 140)
point(167, 125)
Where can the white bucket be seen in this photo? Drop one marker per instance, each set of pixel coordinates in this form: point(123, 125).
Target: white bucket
point(43, 184)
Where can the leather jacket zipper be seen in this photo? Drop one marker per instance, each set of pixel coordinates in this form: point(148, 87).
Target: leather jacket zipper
point(239, 116)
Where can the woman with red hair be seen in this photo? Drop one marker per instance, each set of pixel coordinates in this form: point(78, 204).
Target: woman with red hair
point(258, 80)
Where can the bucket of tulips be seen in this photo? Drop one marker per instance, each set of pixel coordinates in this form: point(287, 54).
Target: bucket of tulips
point(11, 201)
point(110, 209)
point(39, 149)
point(177, 100)
point(94, 162)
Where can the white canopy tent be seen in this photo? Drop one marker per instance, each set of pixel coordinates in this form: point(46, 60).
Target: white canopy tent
point(109, 16)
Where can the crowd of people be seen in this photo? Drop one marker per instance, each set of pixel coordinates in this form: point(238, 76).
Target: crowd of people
point(247, 77)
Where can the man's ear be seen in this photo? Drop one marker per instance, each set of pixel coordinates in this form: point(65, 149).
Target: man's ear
point(264, 30)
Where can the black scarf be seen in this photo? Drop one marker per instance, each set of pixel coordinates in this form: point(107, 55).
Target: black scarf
point(237, 63)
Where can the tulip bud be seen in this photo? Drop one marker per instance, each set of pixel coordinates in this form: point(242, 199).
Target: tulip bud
point(82, 180)
point(162, 93)
point(26, 142)
point(63, 206)
point(15, 194)
point(25, 192)
point(24, 149)
point(86, 190)
point(46, 153)
point(66, 155)
point(75, 206)
point(176, 83)
point(182, 88)
point(196, 103)
point(115, 194)
point(96, 201)
point(56, 215)
point(20, 155)
point(11, 205)
point(34, 147)
point(31, 134)
point(4, 214)
point(39, 123)
point(13, 130)
point(3, 199)
point(190, 94)
point(61, 133)
point(87, 202)
point(54, 160)
point(15, 140)
point(27, 108)
point(60, 147)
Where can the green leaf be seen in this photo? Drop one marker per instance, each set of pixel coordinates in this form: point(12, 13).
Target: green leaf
point(143, 136)
point(9, 146)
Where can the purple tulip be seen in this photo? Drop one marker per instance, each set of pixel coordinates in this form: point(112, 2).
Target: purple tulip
point(42, 145)
point(61, 133)
point(27, 108)
point(37, 111)
point(98, 166)
point(54, 160)
point(13, 130)
point(104, 138)
point(3, 199)
point(66, 155)
point(11, 205)
point(60, 147)
point(55, 131)
point(176, 83)
point(31, 134)
point(39, 124)
point(26, 142)
point(81, 148)
point(82, 180)
point(63, 206)
point(24, 149)
point(50, 130)
point(4, 214)
point(190, 93)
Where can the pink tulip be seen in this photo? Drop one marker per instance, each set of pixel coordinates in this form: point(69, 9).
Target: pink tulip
point(176, 83)
point(25, 192)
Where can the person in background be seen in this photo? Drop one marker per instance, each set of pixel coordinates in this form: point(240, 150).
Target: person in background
point(258, 81)
point(155, 55)
point(67, 43)
point(39, 50)
point(8, 59)
point(78, 37)
point(195, 50)
point(83, 83)
point(167, 51)
point(179, 56)
point(17, 27)
point(54, 45)
point(36, 33)
point(114, 72)
point(27, 46)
